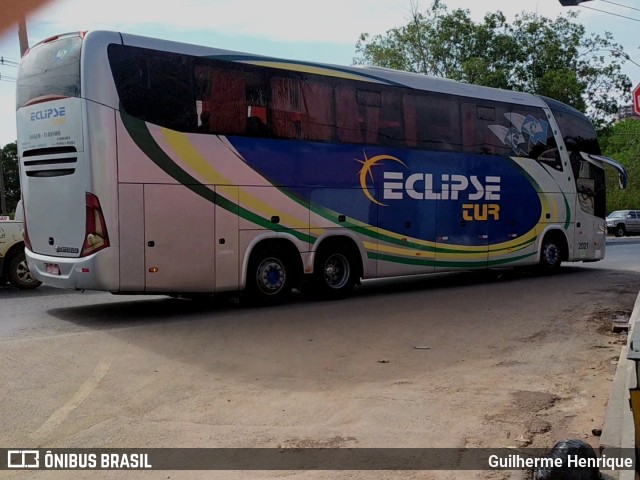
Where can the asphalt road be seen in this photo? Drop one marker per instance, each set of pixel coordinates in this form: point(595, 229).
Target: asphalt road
point(456, 360)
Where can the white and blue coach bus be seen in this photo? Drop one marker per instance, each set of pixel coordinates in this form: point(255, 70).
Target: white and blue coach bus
point(150, 166)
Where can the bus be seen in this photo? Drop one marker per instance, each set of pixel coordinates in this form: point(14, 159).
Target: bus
point(157, 167)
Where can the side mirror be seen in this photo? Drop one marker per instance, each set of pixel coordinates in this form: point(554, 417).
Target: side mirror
point(622, 172)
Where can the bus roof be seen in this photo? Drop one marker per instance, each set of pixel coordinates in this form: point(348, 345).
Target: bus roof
point(366, 73)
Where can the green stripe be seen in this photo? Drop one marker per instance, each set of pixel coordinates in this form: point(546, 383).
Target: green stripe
point(369, 232)
point(446, 263)
point(140, 134)
point(567, 208)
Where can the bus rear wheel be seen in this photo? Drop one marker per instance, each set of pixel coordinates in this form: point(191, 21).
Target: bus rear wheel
point(269, 278)
point(550, 255)
point(334, 273)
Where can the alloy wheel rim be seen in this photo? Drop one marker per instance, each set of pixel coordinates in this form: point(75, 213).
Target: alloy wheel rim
point(23, 273)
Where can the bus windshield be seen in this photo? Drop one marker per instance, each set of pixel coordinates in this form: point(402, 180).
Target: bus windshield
point(50, 69)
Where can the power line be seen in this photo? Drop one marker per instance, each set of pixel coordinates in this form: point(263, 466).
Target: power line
point(8, 78)
point(10, 63)
point(621, 5)
point(611, 13)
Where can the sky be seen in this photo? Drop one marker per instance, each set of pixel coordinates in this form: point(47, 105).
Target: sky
point(324, 31)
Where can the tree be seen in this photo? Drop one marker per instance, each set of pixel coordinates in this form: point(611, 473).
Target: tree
point(534, 54)
point(622, 142)
point(11, 176)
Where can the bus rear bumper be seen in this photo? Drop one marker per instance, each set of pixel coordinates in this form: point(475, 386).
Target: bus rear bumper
point(69, 273)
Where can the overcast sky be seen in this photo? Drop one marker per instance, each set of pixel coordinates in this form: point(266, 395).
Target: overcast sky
point(324, 31)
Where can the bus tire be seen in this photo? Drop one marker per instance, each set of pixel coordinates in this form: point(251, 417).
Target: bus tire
point(550, 254)
point(620, 231)
point(334, 273)
point(270, 276)
point(19, 275)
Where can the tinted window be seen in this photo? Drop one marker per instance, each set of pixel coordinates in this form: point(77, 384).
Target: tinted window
point(50, 69)
point(432, 121)
point(534, 135)
point(221, 98)
point(486, 127)
point(301, 107)
point(155, 86)
point(576, 129)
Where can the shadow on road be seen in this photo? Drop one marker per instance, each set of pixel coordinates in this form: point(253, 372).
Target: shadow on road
point(163, 309)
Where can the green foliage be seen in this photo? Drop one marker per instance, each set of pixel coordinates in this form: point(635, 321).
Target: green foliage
point(551, 57)
point(11, 175)
point(622, 143)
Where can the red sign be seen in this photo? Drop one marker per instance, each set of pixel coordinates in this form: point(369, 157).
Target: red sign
point(636, 99)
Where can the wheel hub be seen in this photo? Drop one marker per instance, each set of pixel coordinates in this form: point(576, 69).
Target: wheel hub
point(336, 271)
point(551, 254)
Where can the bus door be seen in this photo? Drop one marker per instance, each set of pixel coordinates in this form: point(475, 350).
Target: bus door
point(590, 208)
point(405, 230)
point(178, 240)
point(227, 269)
point(462, 235)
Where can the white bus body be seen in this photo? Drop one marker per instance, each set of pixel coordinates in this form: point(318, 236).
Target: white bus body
point(150, 166)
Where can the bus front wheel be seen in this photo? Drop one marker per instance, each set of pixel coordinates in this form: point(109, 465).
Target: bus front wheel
point(550, 255)
point(334, 274)
point(269, 278)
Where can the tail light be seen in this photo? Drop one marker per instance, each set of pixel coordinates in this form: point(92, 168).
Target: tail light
point(96, 237)
point(25, 232)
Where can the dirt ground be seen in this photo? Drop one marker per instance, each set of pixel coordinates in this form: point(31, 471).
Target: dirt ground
point(411, 363)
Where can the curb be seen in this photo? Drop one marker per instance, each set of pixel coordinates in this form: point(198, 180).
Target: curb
point(618, 428)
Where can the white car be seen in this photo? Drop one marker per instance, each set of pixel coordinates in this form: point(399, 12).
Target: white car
point(13, 263)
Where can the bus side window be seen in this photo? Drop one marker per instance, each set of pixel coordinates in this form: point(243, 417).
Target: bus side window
point(347, 122)
point(390, 127)
point(223, 100)
point(369, 105)
point(285, 107)
point(154, 86)
point(410, 121)
point(170, 91)
point(319, 122)
point(478, 118)
point(302, 108)
point(432, 122)
point(257, 95)
point(537, 135)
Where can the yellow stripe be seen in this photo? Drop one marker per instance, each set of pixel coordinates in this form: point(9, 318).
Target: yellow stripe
point(311, 69)
point(408, 252)
point(191, 156)
point(480, 253)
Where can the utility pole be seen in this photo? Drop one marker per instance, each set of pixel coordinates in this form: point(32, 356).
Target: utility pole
point(24, 46)
point(22, 36)
point(3, 195)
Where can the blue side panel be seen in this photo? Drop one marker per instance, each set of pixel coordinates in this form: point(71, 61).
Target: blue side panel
point(472, 198)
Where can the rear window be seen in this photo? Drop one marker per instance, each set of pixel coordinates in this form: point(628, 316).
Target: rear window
point(50, 69)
